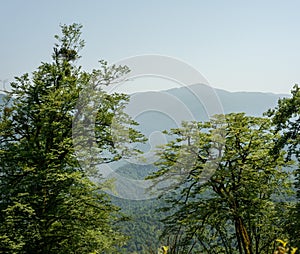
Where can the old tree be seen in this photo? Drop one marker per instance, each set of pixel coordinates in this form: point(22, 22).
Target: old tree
point(48, 203)
point(224, 188)
point(286, 116)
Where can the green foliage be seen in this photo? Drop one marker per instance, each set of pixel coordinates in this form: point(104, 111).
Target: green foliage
point(286, 117)
point(222, 184)
point(144, 226)
point(48, 203)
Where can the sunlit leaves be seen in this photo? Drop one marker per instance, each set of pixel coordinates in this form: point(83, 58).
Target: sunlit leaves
point(224, 199)
point(48, 203)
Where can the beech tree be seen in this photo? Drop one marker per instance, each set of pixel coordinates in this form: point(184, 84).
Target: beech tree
point(286, 117)
point(224, 189)
point(48, 203)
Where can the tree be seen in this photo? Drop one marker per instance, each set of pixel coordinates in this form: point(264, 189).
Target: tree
point(286, 117)
point(48, 203)
point(224, 182)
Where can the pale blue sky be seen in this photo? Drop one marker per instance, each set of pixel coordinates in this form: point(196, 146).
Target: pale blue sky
point(236, 45)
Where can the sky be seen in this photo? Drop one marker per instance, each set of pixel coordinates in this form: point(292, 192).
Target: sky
point(235, 45)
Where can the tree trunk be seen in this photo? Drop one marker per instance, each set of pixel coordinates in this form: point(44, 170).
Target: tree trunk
point(244, 241)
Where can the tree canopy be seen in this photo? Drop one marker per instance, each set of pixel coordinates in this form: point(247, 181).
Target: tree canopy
point(224, 183)
point(48, 203)
point(226, 189)
point(286, 117)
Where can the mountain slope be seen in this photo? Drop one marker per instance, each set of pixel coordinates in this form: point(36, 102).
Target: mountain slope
point(157, 111)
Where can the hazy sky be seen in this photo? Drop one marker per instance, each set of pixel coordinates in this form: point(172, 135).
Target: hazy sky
point(236, 45)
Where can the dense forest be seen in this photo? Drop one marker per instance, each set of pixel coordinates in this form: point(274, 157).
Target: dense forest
point(230, 184)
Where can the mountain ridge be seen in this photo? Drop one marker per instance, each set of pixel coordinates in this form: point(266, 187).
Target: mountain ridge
point(224, 90)
point(252, 103)
point(162, 110)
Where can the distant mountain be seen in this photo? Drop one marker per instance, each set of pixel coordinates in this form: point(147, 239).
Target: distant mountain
point(252, 103)
point(156, 111)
